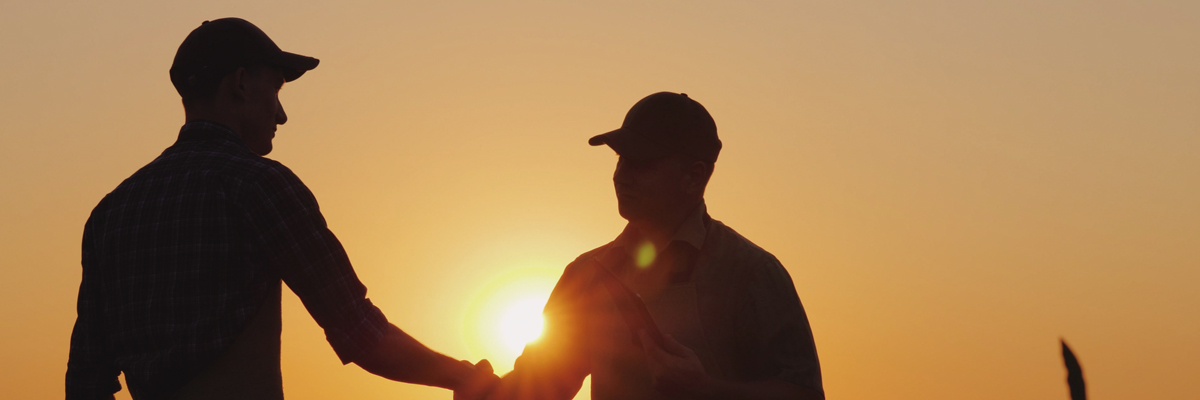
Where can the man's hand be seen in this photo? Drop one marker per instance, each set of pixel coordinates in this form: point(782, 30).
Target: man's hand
point(675, 368)
point(479, 384)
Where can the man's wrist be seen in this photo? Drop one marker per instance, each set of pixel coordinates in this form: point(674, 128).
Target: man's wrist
point(455, 373)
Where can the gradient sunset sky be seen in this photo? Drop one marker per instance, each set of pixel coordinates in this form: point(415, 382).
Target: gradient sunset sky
point(953, 185)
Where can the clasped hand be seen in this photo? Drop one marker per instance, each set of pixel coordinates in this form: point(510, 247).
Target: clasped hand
point(674, 368)
point(478, 384)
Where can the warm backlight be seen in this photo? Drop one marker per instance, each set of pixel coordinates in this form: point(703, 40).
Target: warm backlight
point(507, 314)
point(521, 323)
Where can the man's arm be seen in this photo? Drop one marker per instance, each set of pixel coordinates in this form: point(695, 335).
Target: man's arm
point(779, 335)
point(554, 366)
point(542, 374)
point(291, 232)
point(677, 370)
point(402, 358)
point(91, 368)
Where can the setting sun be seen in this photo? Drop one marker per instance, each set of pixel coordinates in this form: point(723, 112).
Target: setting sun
point(507, 314)
point(950, 186)
point(522, 323)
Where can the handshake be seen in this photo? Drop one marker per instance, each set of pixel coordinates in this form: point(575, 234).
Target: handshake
point(675, 370)
point(215, 238)
point(477, 383)
point(402, 358)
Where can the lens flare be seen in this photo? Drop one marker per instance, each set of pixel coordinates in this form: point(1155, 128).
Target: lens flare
point(645, 255)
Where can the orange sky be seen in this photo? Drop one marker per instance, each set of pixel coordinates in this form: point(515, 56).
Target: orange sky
point(952, 186)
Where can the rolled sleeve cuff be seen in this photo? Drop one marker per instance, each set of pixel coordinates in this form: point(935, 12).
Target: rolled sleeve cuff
point(363, 328)
point(85, 383)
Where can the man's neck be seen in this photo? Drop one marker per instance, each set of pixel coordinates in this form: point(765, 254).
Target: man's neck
point(217, 117)
point(659, 231)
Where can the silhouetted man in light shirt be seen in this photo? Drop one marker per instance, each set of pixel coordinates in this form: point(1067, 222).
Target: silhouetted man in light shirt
point(182, 262)
point(733, 326)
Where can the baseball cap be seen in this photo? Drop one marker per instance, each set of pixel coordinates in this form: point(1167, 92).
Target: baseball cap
point(220, 46)
point(664, 123)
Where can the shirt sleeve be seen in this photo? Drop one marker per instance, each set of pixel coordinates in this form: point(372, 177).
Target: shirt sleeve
point(554, 366)
point(298, 245)
point(784, 335)
point(91, 367)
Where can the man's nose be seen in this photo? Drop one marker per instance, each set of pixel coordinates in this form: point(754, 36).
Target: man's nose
point(280, 115)
point(621, 175)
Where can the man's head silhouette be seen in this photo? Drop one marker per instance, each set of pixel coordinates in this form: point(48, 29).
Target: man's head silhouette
point(668, 146)
point(228, 71)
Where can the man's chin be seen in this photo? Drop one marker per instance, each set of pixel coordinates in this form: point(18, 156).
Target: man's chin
point(263, 150)
point(629, 213)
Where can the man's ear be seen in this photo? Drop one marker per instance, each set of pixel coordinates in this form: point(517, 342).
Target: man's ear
point(698, 173)
point(239, 79)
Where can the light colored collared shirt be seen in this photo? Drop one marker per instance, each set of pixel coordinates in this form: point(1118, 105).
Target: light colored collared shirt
point(727, 299)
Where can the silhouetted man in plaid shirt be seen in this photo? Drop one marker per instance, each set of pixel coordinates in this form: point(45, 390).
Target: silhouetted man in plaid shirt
point(182, 262)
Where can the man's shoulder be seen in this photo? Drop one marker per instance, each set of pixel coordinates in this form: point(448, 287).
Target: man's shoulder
point(225, 161)
point(266, 168)
point(737, 262)
point(726, 243)
point(743, 273)
point(580, 271)
point(590, 254)
point(192, 167)
point(581, 262)
point(222, 157)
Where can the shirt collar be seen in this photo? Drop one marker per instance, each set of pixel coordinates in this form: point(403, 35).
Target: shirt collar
point(201, 130)
point(692, 232)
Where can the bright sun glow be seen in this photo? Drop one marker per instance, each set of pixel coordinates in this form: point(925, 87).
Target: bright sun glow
point(507, 314)
point(521, 323)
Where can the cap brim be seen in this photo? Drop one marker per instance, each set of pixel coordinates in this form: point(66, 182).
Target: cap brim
point(629, 144)
point(294, 65)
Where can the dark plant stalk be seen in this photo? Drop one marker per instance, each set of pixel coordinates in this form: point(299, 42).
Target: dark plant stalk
point(1074, 373)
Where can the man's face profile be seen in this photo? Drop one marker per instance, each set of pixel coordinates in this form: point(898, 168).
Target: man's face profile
point(648, 189)
point(262, 111)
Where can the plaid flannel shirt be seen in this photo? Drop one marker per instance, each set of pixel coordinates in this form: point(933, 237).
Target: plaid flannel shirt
point(182, 254)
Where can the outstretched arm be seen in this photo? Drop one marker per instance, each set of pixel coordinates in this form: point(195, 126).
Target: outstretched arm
point(402, 358)
point(300, 248)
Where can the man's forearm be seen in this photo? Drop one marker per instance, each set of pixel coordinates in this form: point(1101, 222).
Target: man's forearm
point(400, 357)
point(524, 385)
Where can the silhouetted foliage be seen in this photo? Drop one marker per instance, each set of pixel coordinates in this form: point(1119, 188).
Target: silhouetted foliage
point(1074, 373)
